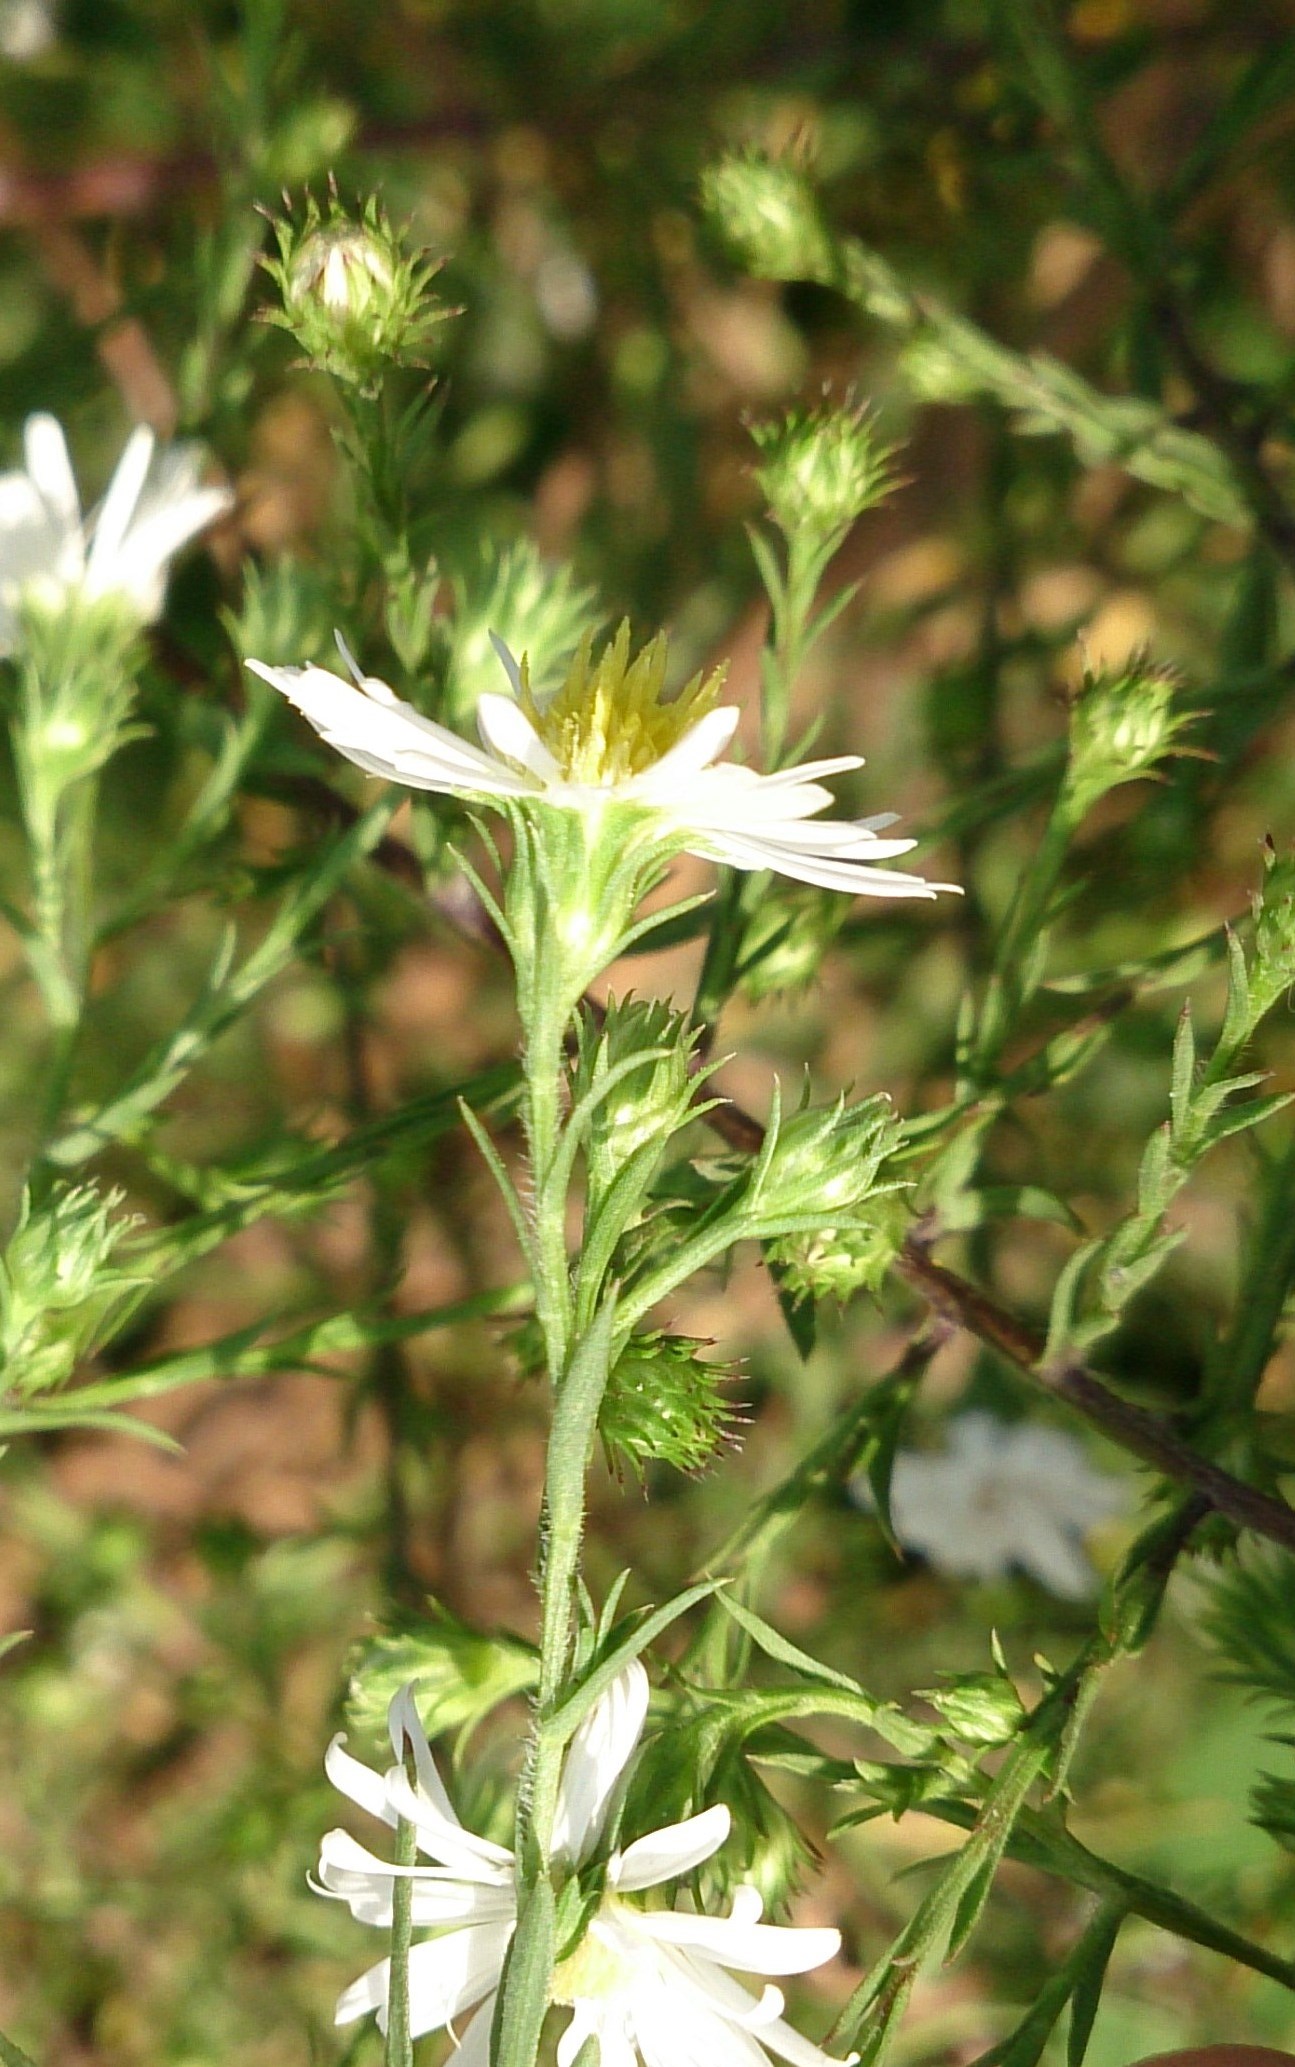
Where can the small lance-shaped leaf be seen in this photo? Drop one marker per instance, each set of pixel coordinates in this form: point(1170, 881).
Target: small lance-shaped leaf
point(461, 1673)
point(303, 1176)
point(1077, 1981)
point(626, 1642)
point(1088, 1963)
point(524, 1985)
point(245, 1353)
point(782, 1650)
point(12, 2055)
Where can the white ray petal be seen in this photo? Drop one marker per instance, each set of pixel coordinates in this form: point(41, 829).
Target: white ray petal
point(700, 745)
point(505, 729)
point(748, 851)
point(814, 771)
point(788, 2044)
point(596, 1758)
point(389, 739)
point(473, 2048)
point(112, 520)
point(680, 2033)
point(50, 469)
point(509, 664)
point(341, 1854)
point(405, 1728)
point(473, 1857)
point(452, 1974)
point(367, 1993)
point(358, 1782)
point(754, 1948)
point(149, 547)
point(667, 1853)
point(837, 838)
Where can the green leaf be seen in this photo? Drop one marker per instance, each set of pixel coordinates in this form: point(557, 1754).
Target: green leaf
point(1088, 1964)
point(12, 2055)
point(623, 1646)
point(782, 1650)
point(524, 1983)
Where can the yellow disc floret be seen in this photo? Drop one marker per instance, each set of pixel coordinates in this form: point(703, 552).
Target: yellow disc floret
point(611, 720)
point(595, 1969)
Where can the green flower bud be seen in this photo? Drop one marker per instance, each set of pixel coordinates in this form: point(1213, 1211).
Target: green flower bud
point(767, 211)
point(821, 1166)
point(837, 1262)
point(1122, 724)
point(821, 469)
point(461, 1673)
point(60, 1288)
point(354, 297)
point(786, 938)
point(978, 1708)
point(648, 1101)
point(535, 609)
point(287, 615)
point(665, 1404)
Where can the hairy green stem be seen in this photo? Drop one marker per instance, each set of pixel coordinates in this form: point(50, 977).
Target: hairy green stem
point(399, 2051)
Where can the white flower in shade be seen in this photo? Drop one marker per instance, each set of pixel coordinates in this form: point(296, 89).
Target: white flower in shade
point(653, 1984)
point(1003, 1495)
point(50, 554)
point(611, 736)
point(28, 28)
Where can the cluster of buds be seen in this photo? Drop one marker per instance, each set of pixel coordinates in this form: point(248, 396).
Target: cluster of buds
point(822, 468)
point(354, 297)
point(1123, 724)
point(61, 1287)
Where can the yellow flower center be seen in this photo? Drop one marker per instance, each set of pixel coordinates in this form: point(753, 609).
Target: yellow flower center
point(594, 1969)
point(611, 720)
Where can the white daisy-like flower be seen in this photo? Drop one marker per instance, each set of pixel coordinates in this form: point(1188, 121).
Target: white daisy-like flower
point(654, 1984)
point(611, 736)
point(52, 554)
point(1003, 1495)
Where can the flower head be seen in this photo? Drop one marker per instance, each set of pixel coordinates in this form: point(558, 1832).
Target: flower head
point(652, 1984)
point(51, 555)
point(1003, 1495)
point(821, 468)
point(354, 297)
point(611, 735)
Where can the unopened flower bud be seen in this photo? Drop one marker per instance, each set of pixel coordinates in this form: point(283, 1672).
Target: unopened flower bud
point(642, 1054)
point(354, 298)
point(824, 1161)
point(59, 1285)
point(536, 608)
point(837, 1262)
point(1122, 724)
point(978, 1708)
point(765, 208)
point(820, 469)
point(665, 1404)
